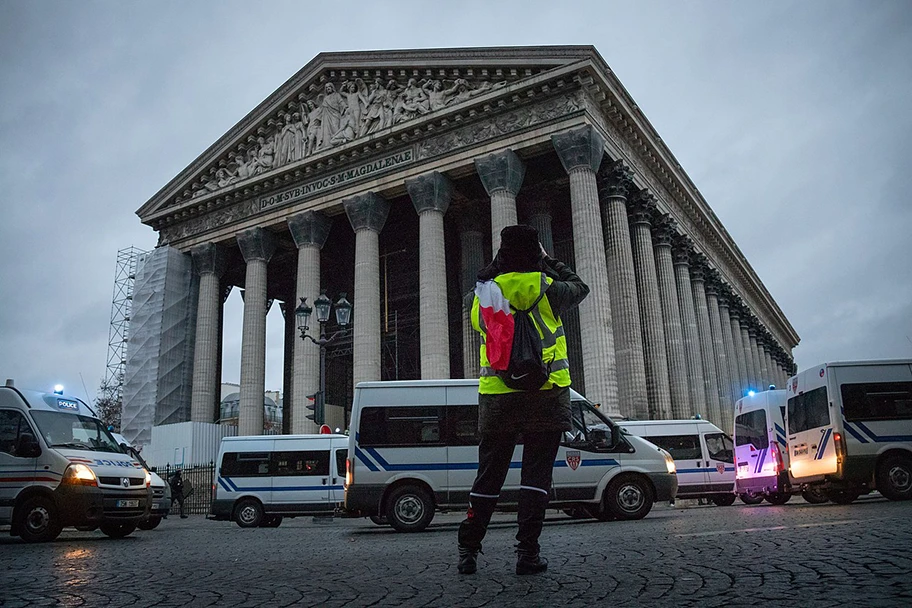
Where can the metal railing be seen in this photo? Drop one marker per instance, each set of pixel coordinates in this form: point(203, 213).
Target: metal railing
point(198, 482)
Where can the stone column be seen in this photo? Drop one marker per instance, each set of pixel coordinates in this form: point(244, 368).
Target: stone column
point(750, 374)
point(501, 175)
point(472, 258)
point(734, 379)
point(723, 373)
point(367, 214)
point(671, 313)
point(734, 312)
point(540, 219)
point(309, 231)
point(431, 194)
point(580, 152)
point(257, 246)
point(707, 350)
point(658, 384)
point(755, 356)
point(615, 184)
point(209, 263)
point(767, 365)
point(694, 357)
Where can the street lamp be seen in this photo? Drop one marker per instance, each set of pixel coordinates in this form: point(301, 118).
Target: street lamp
point(323, 305)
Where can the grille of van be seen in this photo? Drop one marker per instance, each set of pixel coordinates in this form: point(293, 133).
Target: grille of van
point(115, 481)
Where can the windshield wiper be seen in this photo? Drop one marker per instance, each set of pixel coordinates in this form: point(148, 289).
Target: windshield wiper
point(73, 444)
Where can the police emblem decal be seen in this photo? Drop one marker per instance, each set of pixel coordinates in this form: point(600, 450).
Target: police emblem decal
point(720, 467)
point(125, 482)
point(573, 459)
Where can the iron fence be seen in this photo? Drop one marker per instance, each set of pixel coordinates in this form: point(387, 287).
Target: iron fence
point(198, 482)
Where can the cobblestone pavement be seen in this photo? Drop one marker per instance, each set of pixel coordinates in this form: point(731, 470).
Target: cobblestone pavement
point(797, 554)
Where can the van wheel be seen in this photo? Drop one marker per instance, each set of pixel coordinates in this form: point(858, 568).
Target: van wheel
point(814, 495)
point(843, 497)
point(38, 521)
point(150, 524)
point(778, 498)
point(894, 478)
point(628, 497)
point(723, 500)
point(271, 521)
point(749, 499)
point(379, 520)
point(117, 530)
point(248, 513)
point(409, 509)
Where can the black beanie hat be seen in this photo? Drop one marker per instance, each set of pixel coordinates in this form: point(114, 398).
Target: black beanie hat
point(520, 250)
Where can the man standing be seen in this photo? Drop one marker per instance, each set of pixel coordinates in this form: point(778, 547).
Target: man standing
point(177, 491)
point(521, 274)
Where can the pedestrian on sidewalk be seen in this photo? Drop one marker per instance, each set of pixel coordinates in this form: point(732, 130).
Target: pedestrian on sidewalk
point(522, 276)
point(177, 491)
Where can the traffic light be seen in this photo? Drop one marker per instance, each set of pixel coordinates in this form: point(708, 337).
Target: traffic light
point(316, 406)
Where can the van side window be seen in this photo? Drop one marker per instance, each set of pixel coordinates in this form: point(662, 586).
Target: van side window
point(341, 458)
point(12, 424)
point(719, 446)
point(310, 462)
point(462, 425)
point(877, 401)
point(750, 429)
point(808, 411)
point(681, 447)
point(244, 464)
point(400, 426)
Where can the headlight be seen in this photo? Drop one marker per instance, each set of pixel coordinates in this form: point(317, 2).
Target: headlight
point(148, 478)
point(79, 475)
point(669, 463)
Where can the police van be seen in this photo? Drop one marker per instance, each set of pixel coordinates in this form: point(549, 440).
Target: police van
point(161, 490)
point(59, 466)
point(761, 450)
point(261, 479)
point(702, 453)
point(849, 427)
point(413, 450)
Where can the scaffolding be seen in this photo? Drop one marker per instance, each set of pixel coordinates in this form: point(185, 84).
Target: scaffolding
point(121, 308)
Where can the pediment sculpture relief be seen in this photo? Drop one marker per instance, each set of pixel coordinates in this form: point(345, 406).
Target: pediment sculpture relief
point(337, 116)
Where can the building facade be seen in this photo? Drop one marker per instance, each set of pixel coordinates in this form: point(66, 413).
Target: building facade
point(389, 175)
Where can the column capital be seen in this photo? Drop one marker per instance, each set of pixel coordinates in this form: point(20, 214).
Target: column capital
point(501, 171)
point(430, 192)
point(664, 230)
point(209, 258)
point(698, 266)
point(366, 211)
point(682, 249)
point(309, 228)
point(642, 208)
point(582, 147)
point(615, 180)
point(257, 244)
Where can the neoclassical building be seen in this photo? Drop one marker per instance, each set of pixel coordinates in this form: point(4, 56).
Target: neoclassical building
point(388, 176)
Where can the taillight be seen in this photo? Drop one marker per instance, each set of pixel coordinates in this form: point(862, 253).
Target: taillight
point(777, 457)
point(349, 472)
point(840, 447)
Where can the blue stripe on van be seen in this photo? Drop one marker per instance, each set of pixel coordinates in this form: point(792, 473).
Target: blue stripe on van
point(851, 430)
point(781, 441)
point(222, 483)
point(235, 488)
point(823, 444)
point(779, 429)
point(370, 465)
point(462, 466)
point(882, 438)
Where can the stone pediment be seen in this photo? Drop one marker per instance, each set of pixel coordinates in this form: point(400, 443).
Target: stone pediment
point(346, 103)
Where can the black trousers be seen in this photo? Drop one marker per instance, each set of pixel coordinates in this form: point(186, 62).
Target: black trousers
point(494, 455)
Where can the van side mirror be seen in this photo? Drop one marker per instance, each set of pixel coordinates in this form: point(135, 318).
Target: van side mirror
point(153, 469)
point(27, 446)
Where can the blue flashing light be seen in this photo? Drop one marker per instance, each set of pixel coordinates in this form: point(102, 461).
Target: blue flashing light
point(58, 389)
point(751, 393)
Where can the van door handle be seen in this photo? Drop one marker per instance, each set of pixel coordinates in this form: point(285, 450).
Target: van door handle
point(324, 481)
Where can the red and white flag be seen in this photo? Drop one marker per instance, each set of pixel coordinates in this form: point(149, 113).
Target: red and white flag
point(498, 323)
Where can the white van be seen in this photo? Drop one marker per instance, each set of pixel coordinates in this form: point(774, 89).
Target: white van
point(261, 479)
point(702, 454)
point(849, 427)
point(413, 449)
point(59, 466)
point(761, 450)
point(161, 490)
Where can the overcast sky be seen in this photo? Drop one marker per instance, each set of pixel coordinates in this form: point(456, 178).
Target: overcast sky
point(792, 118)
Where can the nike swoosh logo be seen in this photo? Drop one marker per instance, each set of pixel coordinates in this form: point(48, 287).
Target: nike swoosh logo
point(515, 377)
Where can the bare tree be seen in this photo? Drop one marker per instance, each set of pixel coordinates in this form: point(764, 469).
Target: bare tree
point(108, 404)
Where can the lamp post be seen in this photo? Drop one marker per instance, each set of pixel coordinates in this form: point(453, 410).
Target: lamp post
point(323, 305)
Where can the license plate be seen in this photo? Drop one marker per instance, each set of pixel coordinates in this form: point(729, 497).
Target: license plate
point(127, 504)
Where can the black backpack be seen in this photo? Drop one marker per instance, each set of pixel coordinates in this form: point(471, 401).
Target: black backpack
point(526, 371)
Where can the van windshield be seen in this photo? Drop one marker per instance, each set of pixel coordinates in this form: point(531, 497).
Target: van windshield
point(76, 432)
point(589, 424)
point(750, 429)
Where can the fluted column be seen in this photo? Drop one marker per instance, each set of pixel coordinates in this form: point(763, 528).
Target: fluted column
point(309, 231)
point(614, 186)
point(755, 356)
point(707, 350)
point(209, 263)
point(671, 314)
point(750, 374)
point(431, 194)
point(694, 355)
point(539, 217)
point(501, 175)
point(257, 246)
point(471, 241)
point(367, 214)
point(658, 384)
point(735, 314)
point(580, 152)
point(768, 366)
point(721, 355)
point(734, 380)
